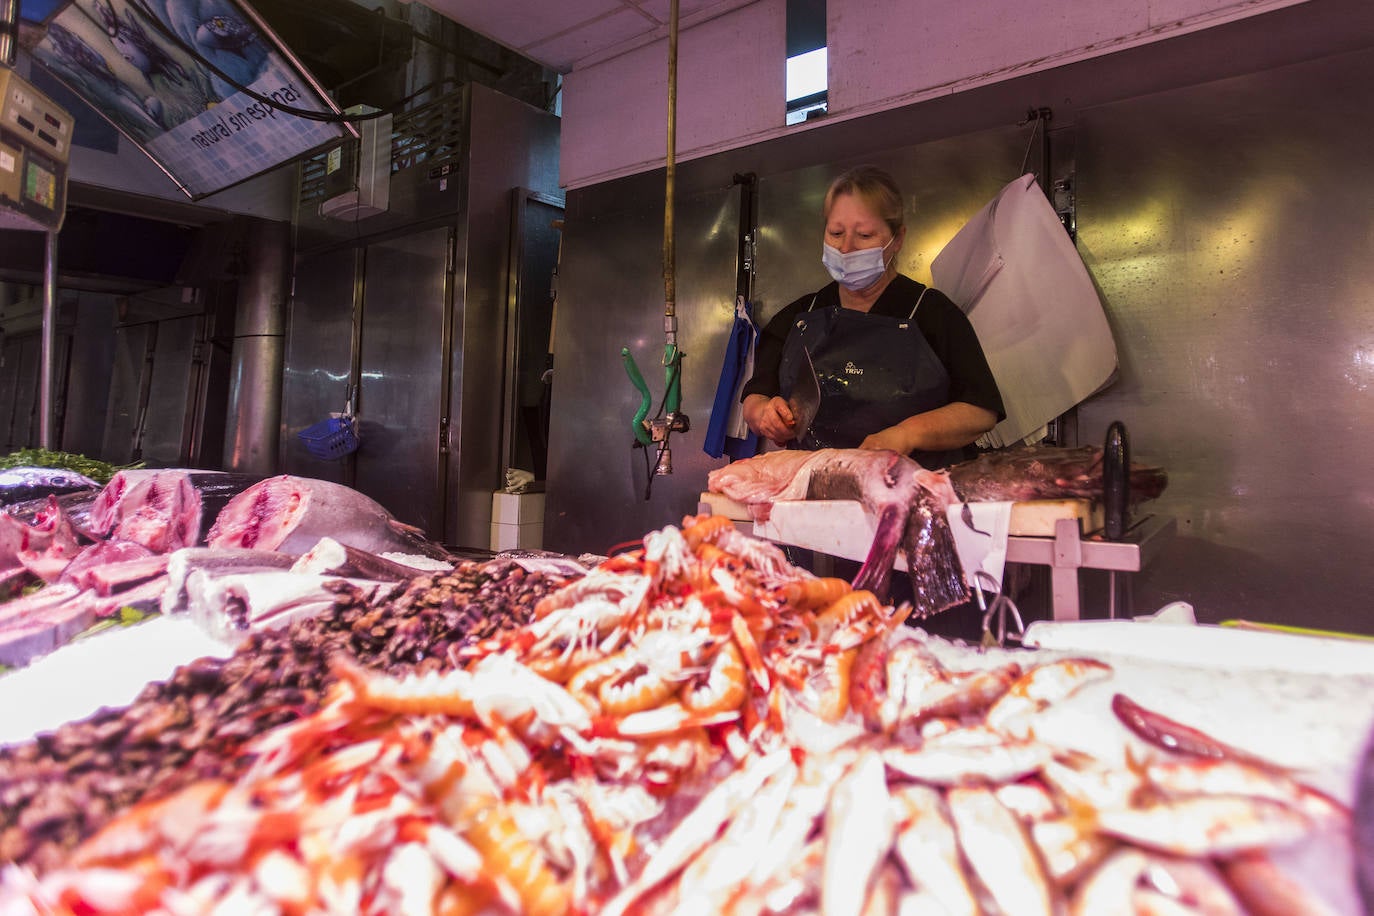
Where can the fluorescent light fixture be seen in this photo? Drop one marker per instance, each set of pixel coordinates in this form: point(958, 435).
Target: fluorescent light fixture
point(806, 74)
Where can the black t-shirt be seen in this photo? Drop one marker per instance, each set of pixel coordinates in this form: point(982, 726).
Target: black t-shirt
point(945, 327)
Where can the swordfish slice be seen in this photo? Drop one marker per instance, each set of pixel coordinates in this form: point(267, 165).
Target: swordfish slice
point(164, 509)
point(291, 514)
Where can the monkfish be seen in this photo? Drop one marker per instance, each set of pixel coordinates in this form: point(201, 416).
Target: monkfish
point(907, 500)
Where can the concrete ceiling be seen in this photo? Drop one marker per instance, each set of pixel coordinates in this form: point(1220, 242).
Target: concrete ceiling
point(567, 34)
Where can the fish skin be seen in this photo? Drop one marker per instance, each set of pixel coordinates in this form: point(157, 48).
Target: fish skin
point(27, 483)
point(933, 566)
point(1068, 847)
point(331, 557)
point(695, 831)
point(710, 881)
point(1040, 472)
point(1043, 685)
point(1109, 886)
point(183, 562)
point(1195, 776)
point(230, 606)
point(1266, 890)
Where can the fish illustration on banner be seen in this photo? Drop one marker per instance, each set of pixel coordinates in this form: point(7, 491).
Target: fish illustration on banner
point(201, 86)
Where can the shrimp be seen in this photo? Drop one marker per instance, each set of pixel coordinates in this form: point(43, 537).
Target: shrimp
point(721, 686)
point(511, 856)
point(810, 594)
point(704, 530)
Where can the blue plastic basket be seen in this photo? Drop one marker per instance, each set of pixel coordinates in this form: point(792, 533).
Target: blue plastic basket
point(330, 439)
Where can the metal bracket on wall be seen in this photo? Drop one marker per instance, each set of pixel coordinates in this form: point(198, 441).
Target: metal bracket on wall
point(1066, 205)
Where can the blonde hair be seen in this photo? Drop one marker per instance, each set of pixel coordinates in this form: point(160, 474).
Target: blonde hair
point(875, 188)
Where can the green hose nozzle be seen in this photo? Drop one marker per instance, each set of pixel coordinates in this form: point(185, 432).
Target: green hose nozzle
point(646, 399)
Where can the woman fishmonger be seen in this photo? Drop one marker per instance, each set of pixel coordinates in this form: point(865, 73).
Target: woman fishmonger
point(898, 364)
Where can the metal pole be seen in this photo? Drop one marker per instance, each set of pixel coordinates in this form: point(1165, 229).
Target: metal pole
point(669, 250)
point(252, 430)
point(45, 359)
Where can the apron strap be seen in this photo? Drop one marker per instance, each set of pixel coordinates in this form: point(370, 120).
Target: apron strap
point(912, 313)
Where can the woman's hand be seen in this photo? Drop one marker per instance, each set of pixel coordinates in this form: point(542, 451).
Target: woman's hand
point(952, 426)
point(891, 438)
point(771, 418)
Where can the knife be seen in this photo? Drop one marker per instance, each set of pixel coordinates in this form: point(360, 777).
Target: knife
point(805, 399)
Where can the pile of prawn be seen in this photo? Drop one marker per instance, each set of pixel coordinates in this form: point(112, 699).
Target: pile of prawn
point(699, 727)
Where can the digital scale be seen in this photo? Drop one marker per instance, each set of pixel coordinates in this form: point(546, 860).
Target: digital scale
point(35, 143)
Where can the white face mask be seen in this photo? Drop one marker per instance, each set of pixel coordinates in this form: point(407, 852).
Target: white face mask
point(858, 269)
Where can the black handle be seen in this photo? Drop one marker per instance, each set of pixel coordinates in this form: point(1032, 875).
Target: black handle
point(1116, 482)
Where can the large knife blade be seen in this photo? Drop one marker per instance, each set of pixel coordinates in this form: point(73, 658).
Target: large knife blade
point(805, 399)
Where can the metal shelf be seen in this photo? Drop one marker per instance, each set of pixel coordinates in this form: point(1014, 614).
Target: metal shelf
point(1068, 552)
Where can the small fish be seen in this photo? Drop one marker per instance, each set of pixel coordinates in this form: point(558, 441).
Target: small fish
point(20, 484)
point(699, 828)
point(958, 693)
point(968, 755)
point(1110, 886)
point(928, 851)
point(805, 806)
point(1028, 799)
point(1231, 777)
point(1043, 685)
point(858, 835)
point(1201, 826)
point(1148, 902)
point(1068, 847)
point(1001, 853)
point(1092, 785)
point(1266, 890)
point(709, 882)
point(1172, 880)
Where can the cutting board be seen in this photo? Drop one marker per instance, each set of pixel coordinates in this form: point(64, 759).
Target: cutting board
point(718, 504)
point(1037, 517)
point(1030, 518)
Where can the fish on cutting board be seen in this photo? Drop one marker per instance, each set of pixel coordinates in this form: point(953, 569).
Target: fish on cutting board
point(907, 500)
point(1042, 472)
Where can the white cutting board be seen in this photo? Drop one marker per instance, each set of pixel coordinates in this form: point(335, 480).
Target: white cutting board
point(1206, 646)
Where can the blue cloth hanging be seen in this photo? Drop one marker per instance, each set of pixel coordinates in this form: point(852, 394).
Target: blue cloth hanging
point(727, 433)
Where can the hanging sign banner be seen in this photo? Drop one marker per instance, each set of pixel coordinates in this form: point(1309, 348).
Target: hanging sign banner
point(203, 87)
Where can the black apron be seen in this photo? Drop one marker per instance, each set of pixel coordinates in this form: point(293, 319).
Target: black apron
point(874, 372)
